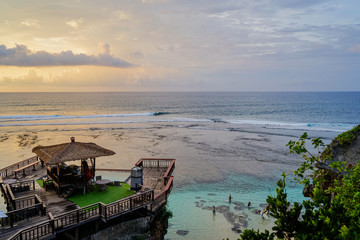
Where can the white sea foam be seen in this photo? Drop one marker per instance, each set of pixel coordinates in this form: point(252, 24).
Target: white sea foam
point(52, 117)
point(55, 120)
point(335, 127)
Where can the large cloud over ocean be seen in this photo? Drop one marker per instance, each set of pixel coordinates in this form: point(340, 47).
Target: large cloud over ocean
point(21, 56)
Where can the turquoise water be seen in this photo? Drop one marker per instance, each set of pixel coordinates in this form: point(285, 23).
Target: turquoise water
point(187, 205)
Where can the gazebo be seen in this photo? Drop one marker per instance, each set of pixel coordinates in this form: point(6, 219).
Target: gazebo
point(70, 177)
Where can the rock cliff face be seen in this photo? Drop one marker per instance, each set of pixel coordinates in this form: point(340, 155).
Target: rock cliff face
point(345, 148)
point(134, 229)
point(144, 228)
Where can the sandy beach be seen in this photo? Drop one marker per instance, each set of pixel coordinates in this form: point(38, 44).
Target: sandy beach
point(205, 152)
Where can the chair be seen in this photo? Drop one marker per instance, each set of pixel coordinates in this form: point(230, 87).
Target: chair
point(98, 178)
point(102, 187)
point(117, 183)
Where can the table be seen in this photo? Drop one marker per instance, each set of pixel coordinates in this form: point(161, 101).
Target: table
point(102, 184)
point(103, 181)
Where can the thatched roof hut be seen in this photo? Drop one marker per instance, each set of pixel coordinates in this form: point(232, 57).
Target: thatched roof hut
point(70, 151)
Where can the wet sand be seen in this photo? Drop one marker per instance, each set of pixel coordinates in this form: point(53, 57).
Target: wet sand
point(205, 152)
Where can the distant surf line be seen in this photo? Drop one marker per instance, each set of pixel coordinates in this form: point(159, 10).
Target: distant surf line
point(13, 118)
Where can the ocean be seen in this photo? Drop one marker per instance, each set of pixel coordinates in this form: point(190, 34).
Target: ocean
point(329, 111)
point(224, 143)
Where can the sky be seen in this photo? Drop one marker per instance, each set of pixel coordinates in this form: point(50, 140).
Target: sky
point(179, 45)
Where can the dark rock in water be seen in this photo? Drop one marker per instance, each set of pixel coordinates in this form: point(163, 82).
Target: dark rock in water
point(202, 201)
point(222, 208)
point(263, 205)
point(197, 197)
point(207, 208)
point(230, 217)
point(239, 205)
point(182, 232)
point(212, 194)
point(197, 204)
point(243, 215)
point(243, 222)
point(236, 228)
point(238, 208)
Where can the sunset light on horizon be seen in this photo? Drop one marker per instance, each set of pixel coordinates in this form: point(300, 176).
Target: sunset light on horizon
point(165, 45)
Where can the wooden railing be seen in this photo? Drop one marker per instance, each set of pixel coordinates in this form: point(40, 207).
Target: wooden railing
point(77, 216)
point(22, 186)
point(161, 198)
point(9, 171)
point(22, 207)
point(22, 214)
point(24, 202)
point(38, 231)
point(155, 162)
point(85, 214)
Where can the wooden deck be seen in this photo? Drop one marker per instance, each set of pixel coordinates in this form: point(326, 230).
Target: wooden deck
point(153, 178)
point(61, 213)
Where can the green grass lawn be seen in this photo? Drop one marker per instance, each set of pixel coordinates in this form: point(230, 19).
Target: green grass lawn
point(112, 194)
point(40, 182)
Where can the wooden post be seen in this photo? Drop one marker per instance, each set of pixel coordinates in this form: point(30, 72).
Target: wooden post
point(77, 216)
point(100, 209)
point(94, 166)
point(105, 208)
point(11, 220)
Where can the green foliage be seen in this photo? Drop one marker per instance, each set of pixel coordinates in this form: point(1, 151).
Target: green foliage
point(348, 137)
point(335, 215)
point(165, 213)
point(252, 235)
point(299, 148)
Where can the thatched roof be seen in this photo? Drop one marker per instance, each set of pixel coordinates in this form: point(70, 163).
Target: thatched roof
point(70, 151)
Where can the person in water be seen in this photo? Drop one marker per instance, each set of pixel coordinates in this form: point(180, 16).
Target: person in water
point(213, 210)
point(249, 204)
point(230, 198)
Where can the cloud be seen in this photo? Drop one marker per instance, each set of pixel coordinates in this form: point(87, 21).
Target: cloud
point(31, 78)
point(21, 56)
point(122, 15)
point(75, 23)
point(104, 48)
point(355, 49)
point(31, 23)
